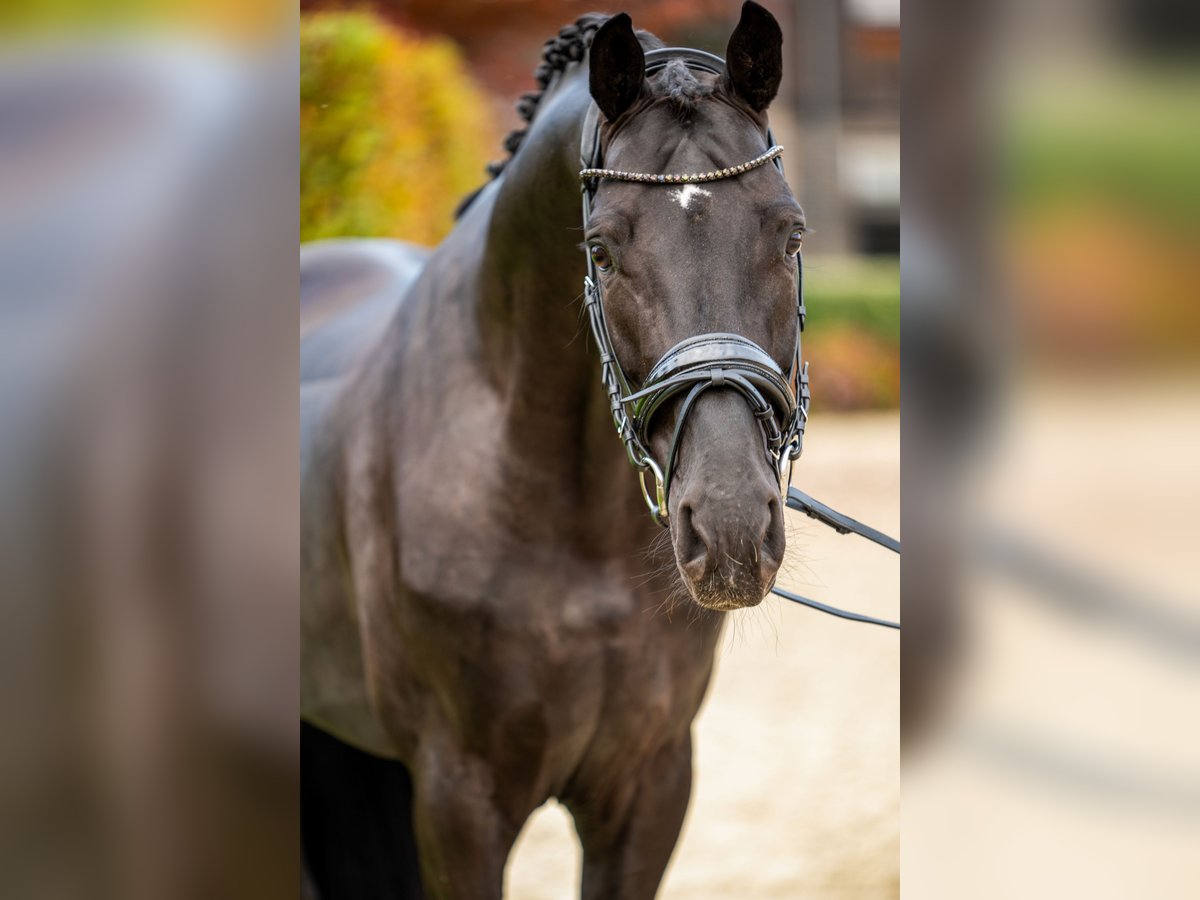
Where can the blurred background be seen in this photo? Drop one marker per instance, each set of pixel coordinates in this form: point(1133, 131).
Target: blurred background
point(1051, 594)
point(148, 465)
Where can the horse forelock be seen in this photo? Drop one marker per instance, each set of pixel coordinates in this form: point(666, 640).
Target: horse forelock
point(681, 88)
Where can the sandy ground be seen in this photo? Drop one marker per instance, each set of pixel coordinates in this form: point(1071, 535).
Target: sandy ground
point(797, 789)
point(1067, 759)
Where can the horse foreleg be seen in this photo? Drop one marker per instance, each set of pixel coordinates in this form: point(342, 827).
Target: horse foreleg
point(462, 838)
point(627, 839)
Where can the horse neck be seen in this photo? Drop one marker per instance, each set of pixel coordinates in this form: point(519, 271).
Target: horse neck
point(533, 336)
point(533, 267)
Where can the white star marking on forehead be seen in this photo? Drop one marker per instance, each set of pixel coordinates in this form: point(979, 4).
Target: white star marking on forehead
point(684, 195)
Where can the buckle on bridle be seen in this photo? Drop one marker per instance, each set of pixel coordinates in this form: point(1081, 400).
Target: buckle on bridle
point(788, 454)
point(657, 505)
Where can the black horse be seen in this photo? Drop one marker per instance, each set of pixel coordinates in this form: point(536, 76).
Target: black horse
point(480, 628)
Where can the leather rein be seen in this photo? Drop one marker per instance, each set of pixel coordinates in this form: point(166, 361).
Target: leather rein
point(778, 400)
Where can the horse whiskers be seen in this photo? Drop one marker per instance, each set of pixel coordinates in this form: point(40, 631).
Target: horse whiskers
point(674, 598)
point(660, 555)
point(649, 576)
point(581, 320)
point(675, 594)
point(659, 545)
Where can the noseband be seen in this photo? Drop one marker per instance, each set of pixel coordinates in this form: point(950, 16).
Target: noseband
point(779, 401)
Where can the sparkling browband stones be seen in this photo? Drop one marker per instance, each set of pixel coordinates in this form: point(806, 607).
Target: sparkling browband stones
point(648, 178)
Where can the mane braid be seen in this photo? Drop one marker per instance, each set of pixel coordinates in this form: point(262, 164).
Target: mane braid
point(570, 45)
point(682, 89)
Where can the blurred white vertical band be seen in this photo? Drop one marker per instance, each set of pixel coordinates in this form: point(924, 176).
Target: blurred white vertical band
point(1051, 362)
point(147, 427)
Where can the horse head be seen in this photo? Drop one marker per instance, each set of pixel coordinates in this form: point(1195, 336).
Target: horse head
point(701, 269)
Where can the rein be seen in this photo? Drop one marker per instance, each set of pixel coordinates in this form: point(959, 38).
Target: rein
point(778, 400)
point(842, 524)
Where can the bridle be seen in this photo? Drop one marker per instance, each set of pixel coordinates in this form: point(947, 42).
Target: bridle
point(778, 400)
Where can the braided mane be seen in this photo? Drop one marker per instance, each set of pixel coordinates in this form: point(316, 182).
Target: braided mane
point(570, 45)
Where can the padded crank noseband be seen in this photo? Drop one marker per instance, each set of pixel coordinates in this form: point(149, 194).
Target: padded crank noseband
point(778, 400)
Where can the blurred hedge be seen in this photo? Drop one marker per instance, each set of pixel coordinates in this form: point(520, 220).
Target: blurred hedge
point(393, 133)
point(853, 334)
point(1102, 219)
point(1128, 138)
point(863, 293)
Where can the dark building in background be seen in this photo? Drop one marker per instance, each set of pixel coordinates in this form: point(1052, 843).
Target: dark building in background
point(840, 110)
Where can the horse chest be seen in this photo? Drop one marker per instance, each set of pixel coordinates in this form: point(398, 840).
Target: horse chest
point(551, 666)
point(497, 633)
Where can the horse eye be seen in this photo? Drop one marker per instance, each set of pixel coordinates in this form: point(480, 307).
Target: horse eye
point(794, 242)
point(600, 257)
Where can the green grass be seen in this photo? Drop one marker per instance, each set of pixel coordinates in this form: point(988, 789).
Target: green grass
point(1130, 139)
point(860, 294)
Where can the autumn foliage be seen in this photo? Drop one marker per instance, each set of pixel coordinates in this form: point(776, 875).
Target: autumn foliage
point(393, 132)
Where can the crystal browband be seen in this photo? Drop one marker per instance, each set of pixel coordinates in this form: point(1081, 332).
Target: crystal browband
point(717, 175)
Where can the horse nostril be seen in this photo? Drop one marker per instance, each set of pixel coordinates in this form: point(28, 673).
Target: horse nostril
point(774, 517)
point(691, 546)
point(714, 539)
point(767, 521)
point(771, 543)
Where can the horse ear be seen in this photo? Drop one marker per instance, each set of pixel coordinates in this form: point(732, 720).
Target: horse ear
point(616, 66)
point(754, 58)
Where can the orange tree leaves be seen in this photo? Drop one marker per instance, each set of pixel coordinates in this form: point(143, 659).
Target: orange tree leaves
point(393, 132)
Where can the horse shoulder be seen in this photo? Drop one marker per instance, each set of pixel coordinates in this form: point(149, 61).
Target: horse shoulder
point(335, 694)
